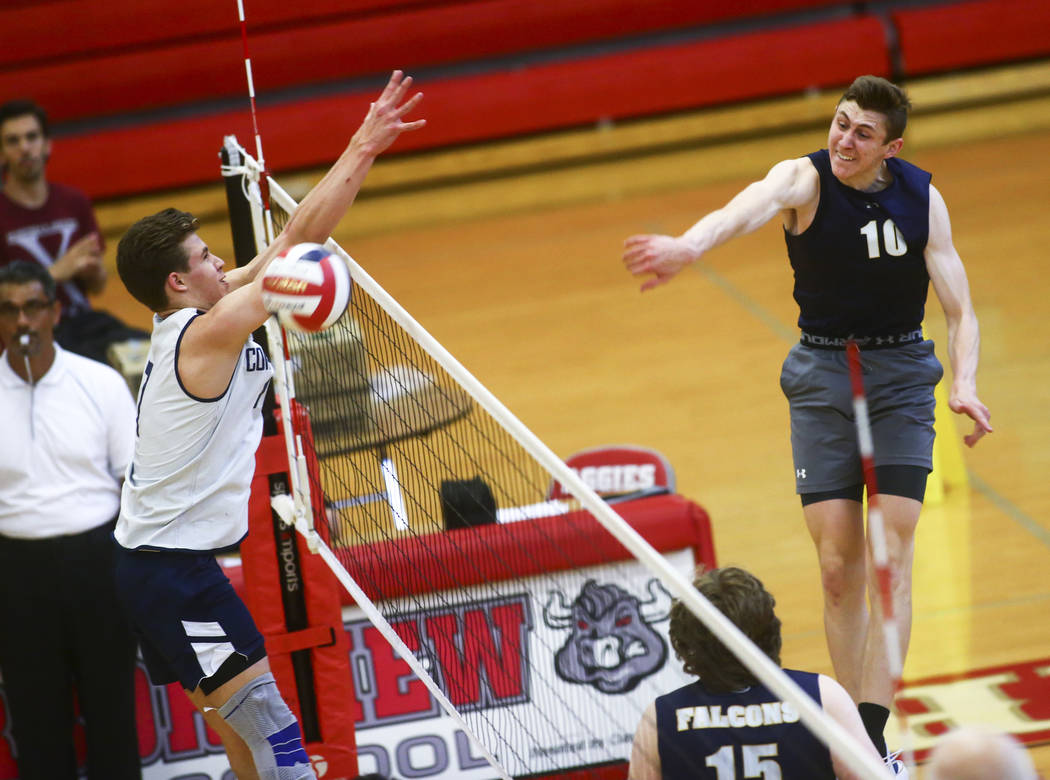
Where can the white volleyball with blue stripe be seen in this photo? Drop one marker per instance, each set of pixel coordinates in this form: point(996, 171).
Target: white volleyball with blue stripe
point(307, 287)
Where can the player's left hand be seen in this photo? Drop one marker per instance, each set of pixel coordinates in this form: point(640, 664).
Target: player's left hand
point(969, 404)
point(383, 123)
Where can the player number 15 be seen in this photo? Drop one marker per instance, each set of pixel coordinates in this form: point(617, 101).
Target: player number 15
point(756, 762)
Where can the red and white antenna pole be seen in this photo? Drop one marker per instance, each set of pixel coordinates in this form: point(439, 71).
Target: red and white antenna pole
point(264, 183)
point(296, 509)
point(877, 532)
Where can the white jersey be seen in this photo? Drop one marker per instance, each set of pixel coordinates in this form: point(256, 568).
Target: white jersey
point(188, 483)
point(66, 444)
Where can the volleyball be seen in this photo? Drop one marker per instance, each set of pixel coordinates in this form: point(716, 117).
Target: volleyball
point(307, 287)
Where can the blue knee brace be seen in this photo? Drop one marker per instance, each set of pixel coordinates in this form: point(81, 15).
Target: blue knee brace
point(261, 718)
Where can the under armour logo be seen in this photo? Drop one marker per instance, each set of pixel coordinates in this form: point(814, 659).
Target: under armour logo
point(800, 473)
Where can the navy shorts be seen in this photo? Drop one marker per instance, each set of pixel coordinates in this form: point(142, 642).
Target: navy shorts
point(189, 619)
point(898, 383)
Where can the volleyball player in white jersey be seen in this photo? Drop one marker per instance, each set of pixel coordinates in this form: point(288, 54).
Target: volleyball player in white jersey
point(199, 423)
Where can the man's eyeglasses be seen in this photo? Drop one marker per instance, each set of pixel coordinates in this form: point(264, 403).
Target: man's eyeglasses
point(32, 309)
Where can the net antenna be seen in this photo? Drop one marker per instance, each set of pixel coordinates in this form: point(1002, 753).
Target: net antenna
point(877, 533)
point(379, 389)
point(295, 509)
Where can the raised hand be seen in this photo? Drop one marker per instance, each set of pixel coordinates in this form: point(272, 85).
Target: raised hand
point(383, 123)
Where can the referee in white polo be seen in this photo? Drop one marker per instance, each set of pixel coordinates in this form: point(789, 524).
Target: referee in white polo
point(68, 434)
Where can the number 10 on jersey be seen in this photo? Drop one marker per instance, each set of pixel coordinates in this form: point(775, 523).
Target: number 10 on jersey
point(891, 237)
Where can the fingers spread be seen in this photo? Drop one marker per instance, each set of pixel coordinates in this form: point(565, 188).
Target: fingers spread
point(409, 104)
point(392, 84)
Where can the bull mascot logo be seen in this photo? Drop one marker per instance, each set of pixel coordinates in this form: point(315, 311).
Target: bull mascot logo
point(612, 646)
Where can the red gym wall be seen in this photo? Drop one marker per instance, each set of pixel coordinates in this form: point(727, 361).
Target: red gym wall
point(141, 95)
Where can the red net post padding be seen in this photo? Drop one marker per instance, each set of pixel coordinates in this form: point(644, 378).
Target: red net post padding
point(295, 600)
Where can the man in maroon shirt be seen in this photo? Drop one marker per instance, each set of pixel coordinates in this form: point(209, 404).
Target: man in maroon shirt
point(54, 225)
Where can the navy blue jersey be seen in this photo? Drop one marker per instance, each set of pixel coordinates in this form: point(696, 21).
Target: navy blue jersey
point(725, 736)
point(859, 268)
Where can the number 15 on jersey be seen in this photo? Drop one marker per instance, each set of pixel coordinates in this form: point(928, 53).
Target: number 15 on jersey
point(757, 761)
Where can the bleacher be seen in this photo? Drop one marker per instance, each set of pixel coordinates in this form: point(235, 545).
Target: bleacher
point(141, 94)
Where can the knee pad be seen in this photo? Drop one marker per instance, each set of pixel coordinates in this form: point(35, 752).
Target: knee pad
point(259, 716)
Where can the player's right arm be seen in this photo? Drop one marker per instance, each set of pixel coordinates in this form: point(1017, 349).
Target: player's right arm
point(840, 707)
point(789, 185)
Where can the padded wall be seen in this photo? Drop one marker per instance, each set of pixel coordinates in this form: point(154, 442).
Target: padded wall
point(495, 104)
point(168, 76)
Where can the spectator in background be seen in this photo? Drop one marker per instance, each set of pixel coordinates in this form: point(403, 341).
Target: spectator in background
point(54, 226)
point(971, 753)
point(68, 434)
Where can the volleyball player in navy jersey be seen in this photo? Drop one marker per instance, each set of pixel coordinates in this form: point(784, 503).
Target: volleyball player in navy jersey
point(199, 423)
point(866, 233)
point(727, 724)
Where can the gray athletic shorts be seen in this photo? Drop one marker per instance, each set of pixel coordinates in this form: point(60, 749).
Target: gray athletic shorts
point(899, 386)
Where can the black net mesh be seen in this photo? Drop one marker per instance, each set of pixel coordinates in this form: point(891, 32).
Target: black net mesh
point(448, 524)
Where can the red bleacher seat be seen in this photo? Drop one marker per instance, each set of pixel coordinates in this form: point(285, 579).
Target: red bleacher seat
point(962, 35)
point(54, 30)
point(82, 59)
point(125, 61)
point(497, 104)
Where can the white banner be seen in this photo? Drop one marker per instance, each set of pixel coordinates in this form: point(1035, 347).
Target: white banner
point(552, 673)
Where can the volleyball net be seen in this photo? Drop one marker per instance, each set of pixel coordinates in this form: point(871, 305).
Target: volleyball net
point(528, 619)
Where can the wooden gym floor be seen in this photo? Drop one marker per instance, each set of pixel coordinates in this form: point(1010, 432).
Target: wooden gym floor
point(520, 277)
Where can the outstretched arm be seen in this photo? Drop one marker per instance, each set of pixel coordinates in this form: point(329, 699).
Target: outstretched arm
point(789, 185)
point(964, 339)
point(330, 198)
point(214, 340)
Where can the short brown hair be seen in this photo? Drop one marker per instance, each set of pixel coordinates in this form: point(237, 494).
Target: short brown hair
point(152, 249)
point(873, 93)
point(741, 597)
